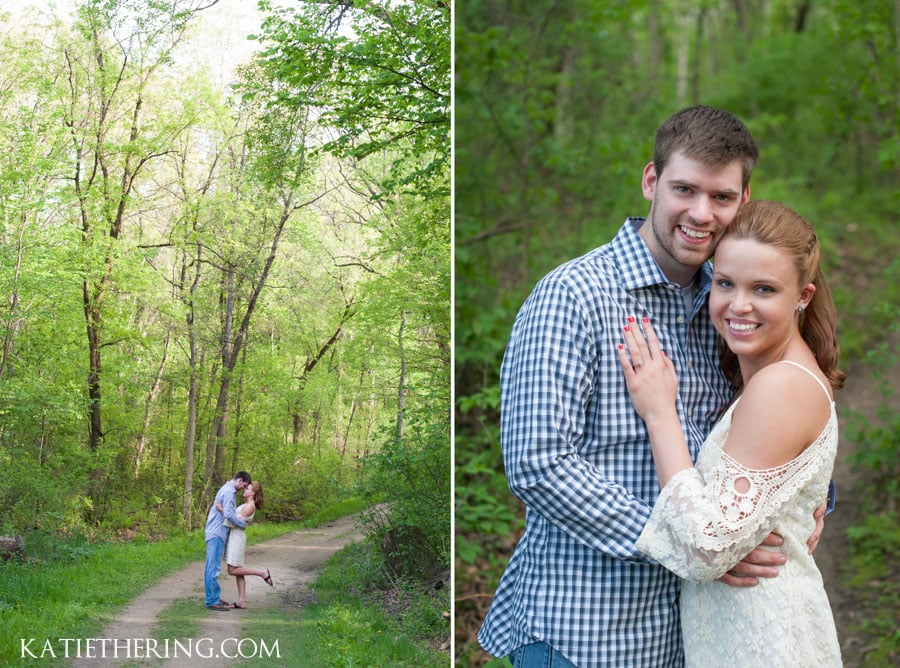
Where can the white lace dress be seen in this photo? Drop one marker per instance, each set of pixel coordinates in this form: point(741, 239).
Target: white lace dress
point(701, 526)
point(237, 541)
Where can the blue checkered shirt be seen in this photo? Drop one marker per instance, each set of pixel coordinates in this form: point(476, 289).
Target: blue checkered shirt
point(579, 458)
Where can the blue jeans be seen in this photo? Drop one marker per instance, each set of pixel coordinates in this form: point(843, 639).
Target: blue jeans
point(215, 548)
point(539, 655)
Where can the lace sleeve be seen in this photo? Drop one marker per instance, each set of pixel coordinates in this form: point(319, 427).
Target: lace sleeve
point(699, 528)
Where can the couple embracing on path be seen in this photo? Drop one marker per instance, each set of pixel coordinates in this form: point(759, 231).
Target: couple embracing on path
point(225, 526)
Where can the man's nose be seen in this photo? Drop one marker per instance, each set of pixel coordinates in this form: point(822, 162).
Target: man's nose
point(701, 211)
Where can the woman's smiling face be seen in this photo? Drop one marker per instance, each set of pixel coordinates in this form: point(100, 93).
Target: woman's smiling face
point(755, 293)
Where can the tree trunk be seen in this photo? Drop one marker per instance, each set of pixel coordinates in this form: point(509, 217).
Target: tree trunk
point(683, 52)
point(347, 430)
point(311, 363)
point(214, 444)
point(191, 435)
point(655, 39)
point(401, 387)
point(95, 421)
point(801, 15)
point(151, 397)
point(698, 55)
point(238, 422)
point(14, 320)
point(233, 345)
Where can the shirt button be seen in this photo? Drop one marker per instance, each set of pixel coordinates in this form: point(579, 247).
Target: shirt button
point(680, 320)
point(690, 412)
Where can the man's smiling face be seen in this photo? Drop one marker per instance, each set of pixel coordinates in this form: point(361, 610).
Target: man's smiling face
point(691, 205)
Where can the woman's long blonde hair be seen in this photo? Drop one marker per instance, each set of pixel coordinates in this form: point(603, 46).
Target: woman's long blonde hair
point(778, 226)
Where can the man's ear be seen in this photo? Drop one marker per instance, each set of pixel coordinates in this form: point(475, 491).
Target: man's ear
point(649, 181)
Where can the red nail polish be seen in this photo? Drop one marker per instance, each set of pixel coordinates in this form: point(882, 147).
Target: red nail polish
point(627, 328)
point(631, 318)
point(621, 346)
point(645, 319)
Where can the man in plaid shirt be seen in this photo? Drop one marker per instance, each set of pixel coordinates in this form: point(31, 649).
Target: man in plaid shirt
point(576, 590)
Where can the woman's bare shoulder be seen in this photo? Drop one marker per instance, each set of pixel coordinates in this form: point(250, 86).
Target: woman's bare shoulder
point(781, 411)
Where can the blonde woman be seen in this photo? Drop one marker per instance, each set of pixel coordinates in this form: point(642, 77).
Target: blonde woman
point(237, 544)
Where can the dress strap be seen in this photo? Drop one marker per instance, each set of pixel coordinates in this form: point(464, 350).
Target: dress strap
point(815, 377)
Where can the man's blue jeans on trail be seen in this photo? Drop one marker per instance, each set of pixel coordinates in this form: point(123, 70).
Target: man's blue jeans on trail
point(215, 548)
point(538, 655)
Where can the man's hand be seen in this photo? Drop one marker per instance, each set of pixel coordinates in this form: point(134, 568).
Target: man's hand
point(220, 508)
point(759, 563)
point(819, 517)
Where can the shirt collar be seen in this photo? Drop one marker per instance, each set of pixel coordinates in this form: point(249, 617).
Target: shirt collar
point(637, 266)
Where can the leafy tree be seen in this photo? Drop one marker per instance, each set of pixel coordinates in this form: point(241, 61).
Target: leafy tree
point(379, 74)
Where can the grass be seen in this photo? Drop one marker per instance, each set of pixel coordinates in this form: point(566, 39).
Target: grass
point(349, 627)
point(77, 597)
point(75, 588)
point(875, 572)
point(181, 619)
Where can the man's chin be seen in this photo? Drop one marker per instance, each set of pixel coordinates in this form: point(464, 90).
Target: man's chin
point(694, 256)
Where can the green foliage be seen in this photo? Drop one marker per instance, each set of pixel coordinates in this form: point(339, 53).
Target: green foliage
point(482, 507)
point(875, 541)
point(411, 477)
point(878, 445)
point(878, 451)
point(355, 631)
point(875, 544)
point(380, 76)
point(352, 638)
point(298, 483)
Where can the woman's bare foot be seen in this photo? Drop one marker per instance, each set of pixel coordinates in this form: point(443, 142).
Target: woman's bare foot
point(240, 605)
point(268, 579)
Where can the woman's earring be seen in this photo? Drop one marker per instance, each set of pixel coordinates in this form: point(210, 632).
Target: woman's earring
point(800, 308)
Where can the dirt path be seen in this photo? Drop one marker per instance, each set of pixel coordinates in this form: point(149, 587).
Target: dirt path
point(294, 560)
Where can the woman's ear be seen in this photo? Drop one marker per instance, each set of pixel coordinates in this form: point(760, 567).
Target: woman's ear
point(806, 294)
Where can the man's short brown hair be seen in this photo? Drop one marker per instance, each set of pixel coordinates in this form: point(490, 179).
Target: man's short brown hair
point(714, 137)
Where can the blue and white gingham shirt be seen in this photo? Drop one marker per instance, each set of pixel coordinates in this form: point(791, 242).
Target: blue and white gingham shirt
point(578, 456)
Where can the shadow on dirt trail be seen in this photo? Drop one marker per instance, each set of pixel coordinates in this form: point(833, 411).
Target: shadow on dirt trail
point(294, 561)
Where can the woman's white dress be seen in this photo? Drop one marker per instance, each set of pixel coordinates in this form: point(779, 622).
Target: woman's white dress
point(237, 541)
point(701, 526)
